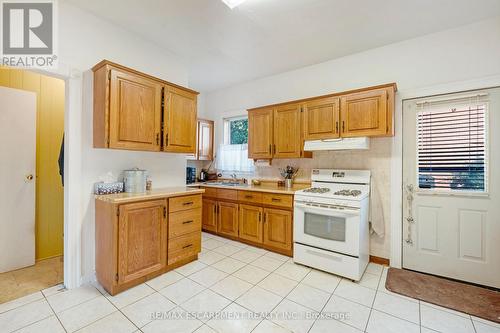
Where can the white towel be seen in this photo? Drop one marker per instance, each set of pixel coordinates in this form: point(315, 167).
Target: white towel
point(376, 215)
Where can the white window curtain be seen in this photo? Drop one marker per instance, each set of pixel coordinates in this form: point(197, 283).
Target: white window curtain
point(234, 158)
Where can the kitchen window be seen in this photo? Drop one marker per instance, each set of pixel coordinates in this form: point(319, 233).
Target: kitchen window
point(233, 153)
point(452, 147)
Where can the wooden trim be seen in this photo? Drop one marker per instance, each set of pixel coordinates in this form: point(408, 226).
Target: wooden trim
point(118, 66)
point(379, 260)
point(388, 85)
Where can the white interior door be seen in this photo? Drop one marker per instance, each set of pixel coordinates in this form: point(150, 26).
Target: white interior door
point(451, 180)
point(17, 178)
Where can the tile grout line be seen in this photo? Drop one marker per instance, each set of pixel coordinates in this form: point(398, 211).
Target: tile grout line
point(373, 302)
point(329, 298)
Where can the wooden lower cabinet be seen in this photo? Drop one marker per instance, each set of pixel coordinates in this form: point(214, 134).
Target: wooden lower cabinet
point(137, 241)
point(209, 215)
point(256, 218)
point(278, 228)
point(142, 241)
point(250, 223)
point(227, 219)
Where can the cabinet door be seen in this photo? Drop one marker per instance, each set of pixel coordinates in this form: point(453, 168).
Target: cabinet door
point(251, 223)
point(287, 132)
point(209, 215)
point(179, 121)
point(134, 112)
point(278, 228)
point(205, 140)
point(321, 119)
point(227, 219)
point(364, 113)
point(142, 239)
point(260, 133)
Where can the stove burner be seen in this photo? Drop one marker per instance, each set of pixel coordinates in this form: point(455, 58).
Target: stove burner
point(317, 190)
point(353, 193)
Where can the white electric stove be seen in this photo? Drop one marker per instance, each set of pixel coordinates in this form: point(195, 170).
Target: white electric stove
point(331, 222)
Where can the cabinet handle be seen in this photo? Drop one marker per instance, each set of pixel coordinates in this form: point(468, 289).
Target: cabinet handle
point(343, 126)
point(336, 127)
point(157, 139)
point(269, 148)
point(215, 209)
point(187, 222)
point(248, 196)
point(260, 216)
point(188, 203)
point(276, 199)
point(274, 149)
point(187, 246)
point(265, 217)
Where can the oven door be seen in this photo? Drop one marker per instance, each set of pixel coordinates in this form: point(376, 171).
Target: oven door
point(333, 229)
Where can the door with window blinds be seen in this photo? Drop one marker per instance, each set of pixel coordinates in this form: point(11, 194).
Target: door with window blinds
point(451, 179)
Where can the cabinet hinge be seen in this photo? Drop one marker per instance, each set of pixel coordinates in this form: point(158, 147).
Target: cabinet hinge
point(118, 211)
point(116, 277)
point(163, 97)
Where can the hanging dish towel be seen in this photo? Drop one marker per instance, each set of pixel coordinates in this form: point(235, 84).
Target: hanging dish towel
point(377, 221)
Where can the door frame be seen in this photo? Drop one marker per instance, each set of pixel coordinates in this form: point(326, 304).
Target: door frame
point(73, 205)
point(396, 232)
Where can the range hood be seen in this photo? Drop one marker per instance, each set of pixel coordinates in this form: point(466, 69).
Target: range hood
point(338, 144)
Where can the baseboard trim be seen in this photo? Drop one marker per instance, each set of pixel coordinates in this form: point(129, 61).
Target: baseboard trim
point(380, 260)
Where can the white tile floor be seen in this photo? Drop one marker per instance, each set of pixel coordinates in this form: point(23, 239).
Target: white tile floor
point(229, 286)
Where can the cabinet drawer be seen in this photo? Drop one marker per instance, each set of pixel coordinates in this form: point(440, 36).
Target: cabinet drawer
point(184, 203)
point(184, 222)
point(281, 200)
point(183, 247)
point(249, 196)
point(227, 194)
point(210, 192)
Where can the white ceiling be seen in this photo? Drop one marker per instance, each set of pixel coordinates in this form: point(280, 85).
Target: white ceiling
point(264, 37)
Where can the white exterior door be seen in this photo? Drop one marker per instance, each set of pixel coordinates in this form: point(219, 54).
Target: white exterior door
point(451, 186)
point(17, 178)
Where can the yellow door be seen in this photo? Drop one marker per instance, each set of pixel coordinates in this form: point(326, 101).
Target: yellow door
point(180, 121)
point(49, 204)
point(260, 133)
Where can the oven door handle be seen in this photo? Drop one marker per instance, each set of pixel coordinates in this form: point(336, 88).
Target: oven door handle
point(329, 211)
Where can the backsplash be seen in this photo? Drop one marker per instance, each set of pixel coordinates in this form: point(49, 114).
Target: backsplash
point(377, 159)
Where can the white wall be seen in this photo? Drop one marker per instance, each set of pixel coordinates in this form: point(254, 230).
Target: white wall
point(460, 54)
point(84, 40)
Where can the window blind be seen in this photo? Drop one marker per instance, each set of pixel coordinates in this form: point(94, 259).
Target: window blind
point(451, 148)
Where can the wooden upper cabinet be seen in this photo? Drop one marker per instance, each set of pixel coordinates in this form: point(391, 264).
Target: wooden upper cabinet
point(260, 133)
point(142, 239)
point(278, 228)
point(134, 112)
point(179, 121)
point(205, 140)
point(287, 141)
point(227, 219)
point(367, 113)
point(250, 223)
point(321, 119)
point(129, 107)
